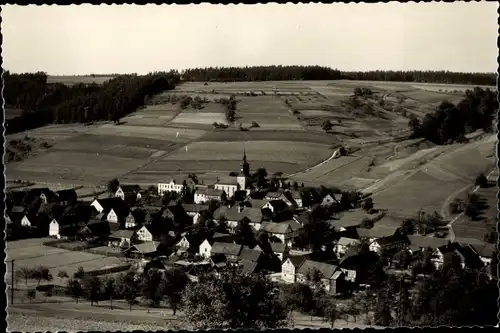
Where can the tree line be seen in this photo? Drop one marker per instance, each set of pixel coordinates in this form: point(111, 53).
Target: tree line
point(43, 103)
point(450, 123)
point(283, 73)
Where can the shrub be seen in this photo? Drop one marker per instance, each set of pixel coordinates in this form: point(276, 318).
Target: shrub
point(254, 124)
point(481, 181)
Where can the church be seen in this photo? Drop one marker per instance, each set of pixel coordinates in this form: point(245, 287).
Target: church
point(239, 183)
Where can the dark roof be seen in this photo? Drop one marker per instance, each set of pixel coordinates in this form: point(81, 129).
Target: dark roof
point(326, 270)
point(211, 192)
point(302, 218)
point(116, 204)
point(36, 192)
point(278, 204)
point(424, 242)
point(194, 207)
point(146, 247)
point(251, 213)
point(18, 210)
point(257, 203)
point(130, 188)
point(390, 240)
point(226, 248)
point(278, 247)
point(274, 195)
point(122, 234)
point(249, 254)
point(71, 230)
point(248, 267)
point(67, 195)
point(275, 228)
point(99, 227)
point(297, 260)
point(486, 250)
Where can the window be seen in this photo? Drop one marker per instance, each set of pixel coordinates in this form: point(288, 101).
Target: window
point(205, 249)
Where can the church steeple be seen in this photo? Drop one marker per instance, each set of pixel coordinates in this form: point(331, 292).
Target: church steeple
point(245, 167)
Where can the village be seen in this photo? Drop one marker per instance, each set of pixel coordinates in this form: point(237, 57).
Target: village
point(291, 233)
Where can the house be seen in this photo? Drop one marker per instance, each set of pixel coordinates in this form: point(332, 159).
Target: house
point(175, 185)
point(117, 216)
point(280, 250)
point(230, 250)
point(132, 220)
point(122, 238)
point(390, 243)
point(65, 227)
point(285, 231)
point(96, 229)
point(197, 216)
point(289, 268)
point(249, 267)
point(485, 252)
point(271, 196)
point(101, 205)
point(331, 277)
point(176, 214)
point(29, 221)
point(194, 209)
point(182, 245)
point(253, 255)
point(466, 254)
point(143, 250)
point(275, 206)
point(378, 231)
point(205, 247)
point(128, 191)
point(208, 194)
point(228, 184)
point(328, 200)
point(144, 234)
point(44, 194)
point(255, 203)
point(239, 212)
point(295, 197)
point(67, 197)
point(343, 244)
point(419, 243)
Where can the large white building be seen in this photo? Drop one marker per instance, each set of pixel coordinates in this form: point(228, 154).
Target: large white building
point(172, 186)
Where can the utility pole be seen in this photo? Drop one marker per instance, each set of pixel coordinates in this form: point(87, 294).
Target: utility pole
point(12, 282)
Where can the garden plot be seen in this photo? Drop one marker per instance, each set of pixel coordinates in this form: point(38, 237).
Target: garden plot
point(103, 148)
point(432, 97)
point(130, 141)
point(279, 151)
point(342, 174)
point(201, 118)
point(172, 134)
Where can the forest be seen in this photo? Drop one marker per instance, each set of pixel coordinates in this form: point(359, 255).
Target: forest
point(44, 103)
point(283, 73)
point(449, 123)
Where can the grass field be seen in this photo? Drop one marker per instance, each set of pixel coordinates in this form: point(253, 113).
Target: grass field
point(75, 79)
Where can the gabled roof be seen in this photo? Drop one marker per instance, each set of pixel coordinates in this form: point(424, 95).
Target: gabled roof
point(347, 241)
point(194, 208)
point(100, 228)
point(297, 260)
point(253, 214)
point(390, 240)
point(275, 228)
point(326, 270)
point(425, 242)
point(248, 267)
point(117, 204)
point(122, 234)
point(227, 181)
point(378, 231)
point(18, 210)
point(130, 188)
point(146, 247)
point(295, 194)
point(278, 204)
point(278, 247)
point(302, 218)
point(257, 203)
point(226, 248)
point(210, 192)
point(485, 251)
point(274, 195)
point(249, 254)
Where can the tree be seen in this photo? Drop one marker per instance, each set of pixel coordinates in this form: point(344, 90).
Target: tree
point(80, 273)
point(234, 300)
point(74, 288)
point(244, 231)
point(382, 315)
point(472, 206)
point(402, 259)
point(457, 206)
point(481, 181)
point(113, 186)
point(63, 274)
point(213, 205)
point(331, 311)
point(408, 226)
point(174, 285)
point(24, 273)
point(31, 294)
point(110, 289)
point(353, 309)
point(150, 286)
point(92, 285)
point(41, 273)
point(326, 126)
point(130, 289)
point(300, 297)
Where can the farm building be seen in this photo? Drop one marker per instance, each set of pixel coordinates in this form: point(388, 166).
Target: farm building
point(392, 243)
point(122, 238)
point(176, 213)
point(239, 212)
point(343, 244)
point(230, 250)
point(253, 255)
point(275, 206)
point(193, 209)
point(419, 242)
point(130, 192)
point(289, 268)
point(143, 250)
point(144, 234)
point(331, 277)
point(182, 245)
point(205, 248)
point(285, 231)
point(272, 196)
point(279, 249)
point(44, 194)
point(107, 204)
point(208, 194)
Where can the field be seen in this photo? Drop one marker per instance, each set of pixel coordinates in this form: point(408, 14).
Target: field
point(31, 253)
point(161, 139)
point(76, 79)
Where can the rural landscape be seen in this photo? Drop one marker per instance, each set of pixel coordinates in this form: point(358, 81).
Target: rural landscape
point(320, 198)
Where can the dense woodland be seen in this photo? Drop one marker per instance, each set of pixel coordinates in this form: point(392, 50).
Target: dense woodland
point(43, 103)
point(282, 73)
point(449, 123)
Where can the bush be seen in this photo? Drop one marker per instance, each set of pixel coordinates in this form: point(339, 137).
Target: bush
point(481, 181)
point(45, 287)
point(254, 124)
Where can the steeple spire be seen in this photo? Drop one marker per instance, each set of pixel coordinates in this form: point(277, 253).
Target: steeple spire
point(245, 167)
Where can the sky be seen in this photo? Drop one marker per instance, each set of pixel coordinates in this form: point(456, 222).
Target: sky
point(86, 39)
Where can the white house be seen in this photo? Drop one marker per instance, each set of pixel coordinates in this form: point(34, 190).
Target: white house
point(112, 217)
point(183, 244)
point(127, 189)
point(328, 200)
point(196, 218)
point(350, 274)
point(97, 205)
point(207, 195)
point(343, 244)
point(130, 221)
point(285, 231)
point(54, 228)
point(172, 186)
point(25, 221)
point(205, 249)
point(289, 268)
point(297, 198)
point(143, 234)
point(230, 186)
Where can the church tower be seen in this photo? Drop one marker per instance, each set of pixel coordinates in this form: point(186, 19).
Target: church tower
point(245, 172)
point(245, 167)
